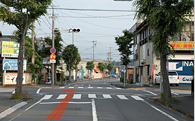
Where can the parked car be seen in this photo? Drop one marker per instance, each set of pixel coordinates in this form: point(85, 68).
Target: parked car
point(173, 78)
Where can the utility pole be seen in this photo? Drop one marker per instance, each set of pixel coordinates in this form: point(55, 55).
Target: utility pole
point(53, 44)
point(33, 45)
point(110, 55)
point(94, 50)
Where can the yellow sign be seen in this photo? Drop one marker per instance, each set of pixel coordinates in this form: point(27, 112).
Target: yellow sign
point(182, 45)
point(10, 49)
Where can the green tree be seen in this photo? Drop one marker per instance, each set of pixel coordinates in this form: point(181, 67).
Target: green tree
point(37, 66)
point(101, 66)
point(70, 55)
point(125, 44)
point(90, 66)
point(166, 18)
point(45, 52)
point(21, 14)
point(76, 63)
point(110, 67)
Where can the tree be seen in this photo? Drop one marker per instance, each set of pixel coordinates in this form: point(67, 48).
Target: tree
point(78, 59)
point(90, 66)
point(70, 54)
point(101, 66)
point(21, 13)
point(125, 44)
point(166, 18)
point(110, 67)
point(45, 52)
point(37, 66)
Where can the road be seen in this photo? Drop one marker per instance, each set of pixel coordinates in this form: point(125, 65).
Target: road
point(95, 100)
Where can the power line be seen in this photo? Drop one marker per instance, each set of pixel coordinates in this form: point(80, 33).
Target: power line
point(100, 10)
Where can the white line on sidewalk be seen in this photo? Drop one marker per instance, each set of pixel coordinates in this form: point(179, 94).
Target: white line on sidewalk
point(94, 113)
point(38, 90)
point(174, 119)
point(12, 109)
point(44, 98)
point(149, 92)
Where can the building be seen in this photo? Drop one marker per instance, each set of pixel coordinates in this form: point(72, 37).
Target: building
point(147, 63)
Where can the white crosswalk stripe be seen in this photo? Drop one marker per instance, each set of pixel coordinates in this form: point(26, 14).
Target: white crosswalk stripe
point(90, 87)
point(106, 96)
point(122, 97)
point(92, 96)
point(76, 96)
point(71, 87)
point(61, 96)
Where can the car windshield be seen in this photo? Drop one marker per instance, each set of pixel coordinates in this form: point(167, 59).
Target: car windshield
point(172, 73)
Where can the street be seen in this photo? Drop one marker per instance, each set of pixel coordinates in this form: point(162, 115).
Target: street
point(93, 100)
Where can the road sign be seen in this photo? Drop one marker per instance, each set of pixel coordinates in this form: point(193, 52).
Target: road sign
point(12, 64)
point(53, 50)
point(52, 56)
point(52, 61)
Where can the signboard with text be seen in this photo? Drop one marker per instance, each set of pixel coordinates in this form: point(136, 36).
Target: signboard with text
point(182, 45)
point(9, 49)
point(12, 64)
point(11, 78)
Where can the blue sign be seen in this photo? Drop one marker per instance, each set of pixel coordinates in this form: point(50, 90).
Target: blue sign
point(53, 50)
point(12, 64)
point(183, 67)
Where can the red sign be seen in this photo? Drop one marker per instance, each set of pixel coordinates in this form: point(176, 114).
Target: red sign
point(52, 56)
point(53, 50)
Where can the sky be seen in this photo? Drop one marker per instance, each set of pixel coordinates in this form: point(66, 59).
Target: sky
point(100, 26)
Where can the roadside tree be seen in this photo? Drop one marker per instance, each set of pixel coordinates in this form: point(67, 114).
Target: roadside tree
point(90, 67)
point(21, 14)
point(166, 18)
point(45, 52)
point(110, 67)
point(75, 65)
point(125, 44)
point(101, 66)
point(70, 54)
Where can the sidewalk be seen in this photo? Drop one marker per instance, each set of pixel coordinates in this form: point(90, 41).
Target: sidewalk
point(183, 104)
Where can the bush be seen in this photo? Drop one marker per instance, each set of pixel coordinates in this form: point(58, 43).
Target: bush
point(24, 96)
point(40, 78)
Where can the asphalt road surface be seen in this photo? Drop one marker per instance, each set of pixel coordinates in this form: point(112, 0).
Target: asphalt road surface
point(95, 100)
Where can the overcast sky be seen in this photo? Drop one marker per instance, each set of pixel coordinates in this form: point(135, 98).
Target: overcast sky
point(100, 26)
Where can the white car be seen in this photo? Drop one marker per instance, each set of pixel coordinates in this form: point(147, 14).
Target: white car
point(173, 78)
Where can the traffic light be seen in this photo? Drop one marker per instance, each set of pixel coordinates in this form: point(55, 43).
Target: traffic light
point(74, 30)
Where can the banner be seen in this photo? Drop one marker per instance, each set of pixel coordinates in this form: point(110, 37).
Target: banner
point(11, 78)
point(182, 45)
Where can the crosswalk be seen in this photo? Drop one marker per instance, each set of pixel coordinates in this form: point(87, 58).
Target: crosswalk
point(77, 87)
point(90, 96)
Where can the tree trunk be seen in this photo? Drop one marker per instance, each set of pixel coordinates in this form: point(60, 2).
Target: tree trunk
point(164, 73)
point(23, 31)
point(126, 73)
point(110, 75)
point(76, 74)
point(70, 79)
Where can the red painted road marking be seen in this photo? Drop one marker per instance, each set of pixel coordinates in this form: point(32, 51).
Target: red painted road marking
point(57, 113)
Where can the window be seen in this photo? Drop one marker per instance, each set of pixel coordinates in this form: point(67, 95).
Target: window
point(148, 52)
point(149, 70)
